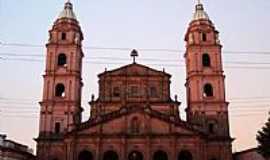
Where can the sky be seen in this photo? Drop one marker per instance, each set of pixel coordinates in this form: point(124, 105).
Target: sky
point(141, 24)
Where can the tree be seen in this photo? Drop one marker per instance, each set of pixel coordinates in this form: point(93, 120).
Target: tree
point(263, 138)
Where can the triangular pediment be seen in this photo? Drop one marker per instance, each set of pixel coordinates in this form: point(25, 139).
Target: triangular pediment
point(150, 122)
point(134, 69)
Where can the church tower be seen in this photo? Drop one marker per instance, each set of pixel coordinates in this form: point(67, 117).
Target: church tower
point(207, 106)
point(61, 103)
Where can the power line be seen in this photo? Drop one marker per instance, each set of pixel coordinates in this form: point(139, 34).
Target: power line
point(250, 101)
point(117, 58)
point(244, 98)
point(232, 100)
point(232, 108)
point(36, 117)
point(17, 99)
point(20, 55)
point(16, 116)
point(90, 58)
point(119, 63)
point(141, 49)
point(20, 103)
point(124, 59)
point(21, 45)
point(245, 115)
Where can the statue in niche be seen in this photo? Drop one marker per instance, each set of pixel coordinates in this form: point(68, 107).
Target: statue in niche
point(50, 37)
point(191, 38)
point(217, 38)
point(77, 38)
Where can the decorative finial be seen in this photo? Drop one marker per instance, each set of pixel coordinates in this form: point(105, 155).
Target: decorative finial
point(68, 11)
point(175, 98)
point(134, 54)
point(92, 97)
point(199, 12)
point(68, 5)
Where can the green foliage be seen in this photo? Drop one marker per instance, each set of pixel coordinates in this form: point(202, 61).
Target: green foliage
point(263, 138)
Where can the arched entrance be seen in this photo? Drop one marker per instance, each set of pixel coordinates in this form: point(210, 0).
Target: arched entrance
point(85, 155)
point(185, 155)
point(160, 155)
point(135, 155)
point(110, 155)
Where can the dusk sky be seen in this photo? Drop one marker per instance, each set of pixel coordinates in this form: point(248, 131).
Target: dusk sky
point(141, 24)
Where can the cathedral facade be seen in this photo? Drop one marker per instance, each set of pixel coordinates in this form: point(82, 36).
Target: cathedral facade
point(134, 116)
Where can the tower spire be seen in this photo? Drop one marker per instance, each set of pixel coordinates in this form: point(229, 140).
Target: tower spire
point(68, 11)
point(199, 12)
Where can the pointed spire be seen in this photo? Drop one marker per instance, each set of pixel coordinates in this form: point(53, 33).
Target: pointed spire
point(199, 12)
point(68, 11)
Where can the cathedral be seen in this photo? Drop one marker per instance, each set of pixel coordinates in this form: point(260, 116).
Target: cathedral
point(134, 116)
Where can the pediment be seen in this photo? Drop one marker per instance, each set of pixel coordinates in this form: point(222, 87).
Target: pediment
point(150, 122)
point(134, 70)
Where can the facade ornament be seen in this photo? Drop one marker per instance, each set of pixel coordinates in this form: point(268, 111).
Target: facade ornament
point(217, 39)
point(92, 97)
point(134, 54)
point(191, 38)
point(77, 38)
point(50, 37)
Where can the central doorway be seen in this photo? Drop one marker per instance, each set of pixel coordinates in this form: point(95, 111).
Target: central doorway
point(135, 155)
point(110, 155)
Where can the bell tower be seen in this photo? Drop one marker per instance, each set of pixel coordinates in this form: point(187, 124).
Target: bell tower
point(207, 106)
point(61, 102)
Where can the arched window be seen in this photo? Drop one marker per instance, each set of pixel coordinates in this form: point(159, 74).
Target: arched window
point(85, 155)
point(134, 91)
point(63, 36)
point(116, 92)
point(135, 155)
point(204, 37)
point(211, 127)
point(208, 90)
point(184, 155)
point(110, 155)
point(160, 155)
point(135, 126)
point(57, 127)
point(62, 60)
point(153, 92)
point(60, 90)
point(206, 61)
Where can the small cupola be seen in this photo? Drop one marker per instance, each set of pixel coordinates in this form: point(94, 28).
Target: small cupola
point(66, 28)
point(67, 12)
point(200, 14)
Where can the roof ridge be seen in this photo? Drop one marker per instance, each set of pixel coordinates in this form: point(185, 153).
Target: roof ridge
point(133, 64)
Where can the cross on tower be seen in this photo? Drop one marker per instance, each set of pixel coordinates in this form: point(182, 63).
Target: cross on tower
point(134, 54)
